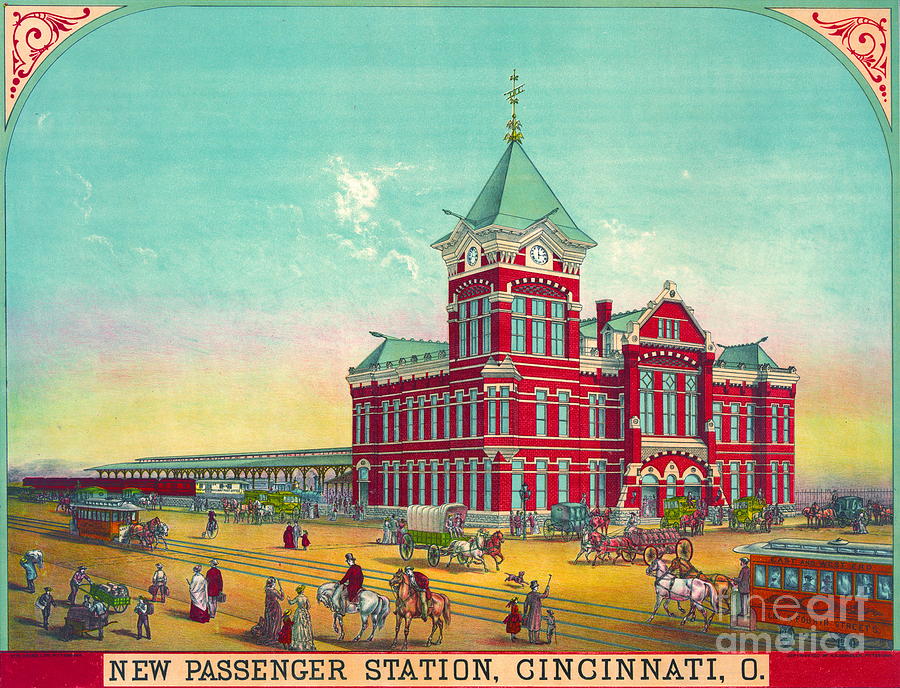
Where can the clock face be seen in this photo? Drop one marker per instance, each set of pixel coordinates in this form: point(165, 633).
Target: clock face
point(472, 255)
point(539, 254)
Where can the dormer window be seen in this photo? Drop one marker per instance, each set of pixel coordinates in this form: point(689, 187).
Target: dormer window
point(607, 343)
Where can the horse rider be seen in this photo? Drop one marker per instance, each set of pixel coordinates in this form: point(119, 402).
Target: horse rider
point(743, 585)
point(211, 523)
point(78, 578)
point(350, 585)
point(419, 583)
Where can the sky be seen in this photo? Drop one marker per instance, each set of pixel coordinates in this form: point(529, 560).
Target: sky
point(208, 209)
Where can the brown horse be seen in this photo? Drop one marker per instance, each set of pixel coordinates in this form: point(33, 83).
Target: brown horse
point(407, 608)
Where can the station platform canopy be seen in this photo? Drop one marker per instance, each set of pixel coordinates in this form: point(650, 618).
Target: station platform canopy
point(251, 465)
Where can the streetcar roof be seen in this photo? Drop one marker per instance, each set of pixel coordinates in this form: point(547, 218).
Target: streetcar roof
point(831, 550)
point(106, 506)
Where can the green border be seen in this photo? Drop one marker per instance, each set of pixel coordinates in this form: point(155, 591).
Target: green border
point(892, 140)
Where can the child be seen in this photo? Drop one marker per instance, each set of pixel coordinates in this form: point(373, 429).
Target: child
point(284, 637)
point(513, 620)
point(551, 626)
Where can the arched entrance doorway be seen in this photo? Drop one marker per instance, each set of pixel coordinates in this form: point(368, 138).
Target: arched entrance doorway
point(649, 496)
point(692, 486)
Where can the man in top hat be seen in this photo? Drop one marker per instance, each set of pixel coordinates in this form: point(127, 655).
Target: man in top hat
point(350, 584)
point(532, 616)
point(419, 583)
point(158, 587)
point(45, 603)
point(143, 609)
point(80, 576)
point(213, 586)
point(743, 586)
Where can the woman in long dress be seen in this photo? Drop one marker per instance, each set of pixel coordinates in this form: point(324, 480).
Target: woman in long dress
point(269, 624)
point(288, 537)
point(199, 596)
point(301, 631)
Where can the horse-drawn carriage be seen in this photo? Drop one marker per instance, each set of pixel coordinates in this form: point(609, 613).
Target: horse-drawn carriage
point(100, 600)
point(649, 543)
point(674, 510)
point(747, 513)
point(426, 528)
point(568, 519)
point(847, 510)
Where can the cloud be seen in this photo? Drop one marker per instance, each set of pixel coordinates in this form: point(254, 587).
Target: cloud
point(408, 260)
point(360, 191)
point(40, 120)
point(83, 204)
point(361, 253)
point(99, 239)
point(147, 254)
point(685, 174)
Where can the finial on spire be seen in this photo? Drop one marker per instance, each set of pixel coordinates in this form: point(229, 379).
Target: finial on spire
point(514, 126)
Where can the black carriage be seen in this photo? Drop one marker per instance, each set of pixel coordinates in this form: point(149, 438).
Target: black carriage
point(568, 519)
point(847, 509)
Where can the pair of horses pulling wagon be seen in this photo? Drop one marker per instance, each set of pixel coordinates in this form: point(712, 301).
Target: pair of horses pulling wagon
point(426, 528)
point(647, 543)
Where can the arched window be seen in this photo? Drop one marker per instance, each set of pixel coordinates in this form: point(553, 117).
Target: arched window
point(670, 486)
point(692, 486)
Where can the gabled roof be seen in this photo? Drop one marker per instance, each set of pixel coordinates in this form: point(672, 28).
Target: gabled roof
point(618, 322)
point(751, 354)
point(394, 348)
point(516, 196)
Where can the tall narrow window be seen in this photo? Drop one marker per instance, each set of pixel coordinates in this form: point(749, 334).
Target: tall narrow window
point(473, 483)
point(717, 419)
point(557, 339)
point(733, 420)
point(785, 482)
point(459, 413)
point(785, 424)
point(385, 478)
point(434, 416)
point(562, 484)
point(518, 304)
point(446, 482)
point(459, 481)
point(538, 308)
point(357, 417)
point(690, 405)
point(492, 411)
point(462, 339)
point(538, 336)
point(540, 485)
point(473, 336)
point(774, 423)
point(669, 399)
point(563, 414)
point(592, 415)
point(409, 482)
point(384, 422)
point(368, 412)
point(473, 412)
point(422, 482)
point(751, 418)
point(734, 478)
point(601, 415)
point(421, 418)
point(504, 410)
point(434, 483)
point(488, 484)
point(486, 326)
point(409, 420)
point(446, 415)
point(646, 403)
point(517, 343)
point(516, 482)
point(773, 467)
point(750, 479)
point(621, 416)
point(540, 412)
point(396, 476)
point(396, 420)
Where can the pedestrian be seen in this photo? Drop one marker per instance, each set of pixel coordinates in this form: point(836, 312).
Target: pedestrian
point(385, 532)
point(532, 617)
point(214, 587)
point(267, 628)
point(297, 533)
point(532, 523)
point(513, 620)
point(550, 620)
point(78, 578)
point(301, 629)
point(304, 539)
point(158, 587)
point(143, 609)
point(45, 604)
point(28, 564)
point(743, 586)
point(199, 597)
point(284, 636)
point(288, 537)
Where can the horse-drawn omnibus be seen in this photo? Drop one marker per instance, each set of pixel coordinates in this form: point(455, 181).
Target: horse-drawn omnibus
point(103, 520)
point(834, 586)
point(569, 519)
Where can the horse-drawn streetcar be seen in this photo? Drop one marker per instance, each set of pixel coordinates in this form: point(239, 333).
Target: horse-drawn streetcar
point(101, 519)
point(426, 528)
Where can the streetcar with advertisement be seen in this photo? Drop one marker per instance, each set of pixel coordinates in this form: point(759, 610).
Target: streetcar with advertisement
point(834, 586)
point(103, 520)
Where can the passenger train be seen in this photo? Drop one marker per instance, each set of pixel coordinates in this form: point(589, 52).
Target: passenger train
point(165, 487)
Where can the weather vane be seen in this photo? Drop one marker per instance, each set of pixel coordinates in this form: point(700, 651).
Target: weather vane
point(514, 126)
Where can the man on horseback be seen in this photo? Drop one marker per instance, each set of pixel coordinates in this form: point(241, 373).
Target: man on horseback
point(419, 583)
point(350, 585)
point(211, 523)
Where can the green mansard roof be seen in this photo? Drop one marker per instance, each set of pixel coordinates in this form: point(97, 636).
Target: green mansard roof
point(516, 196)
point(392, 349)
point(618, 322)
point(749, 354)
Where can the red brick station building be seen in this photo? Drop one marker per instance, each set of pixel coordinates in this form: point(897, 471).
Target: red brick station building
point(622, 409)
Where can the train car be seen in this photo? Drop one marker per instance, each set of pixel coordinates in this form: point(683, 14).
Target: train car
point(832, 586)
point(102, 520)
point(168, 487)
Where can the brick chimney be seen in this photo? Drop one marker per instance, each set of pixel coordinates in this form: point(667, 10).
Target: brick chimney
point(604, 311)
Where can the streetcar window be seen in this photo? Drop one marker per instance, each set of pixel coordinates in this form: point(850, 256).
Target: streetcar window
point(759, 576)
point(843, 583)
point(826, 582)
point(791, 579)
point(774, 576)
point(808, 583)
point(885, 588)
point(864, 585)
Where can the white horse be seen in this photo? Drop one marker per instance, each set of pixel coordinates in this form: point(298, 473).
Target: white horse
point(469, 551)
point(369, 605)
point(693, 590)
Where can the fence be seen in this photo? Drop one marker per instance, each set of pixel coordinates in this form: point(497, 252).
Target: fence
point(804, 498)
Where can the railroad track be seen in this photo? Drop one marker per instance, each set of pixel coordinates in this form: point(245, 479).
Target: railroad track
point(477, 600)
